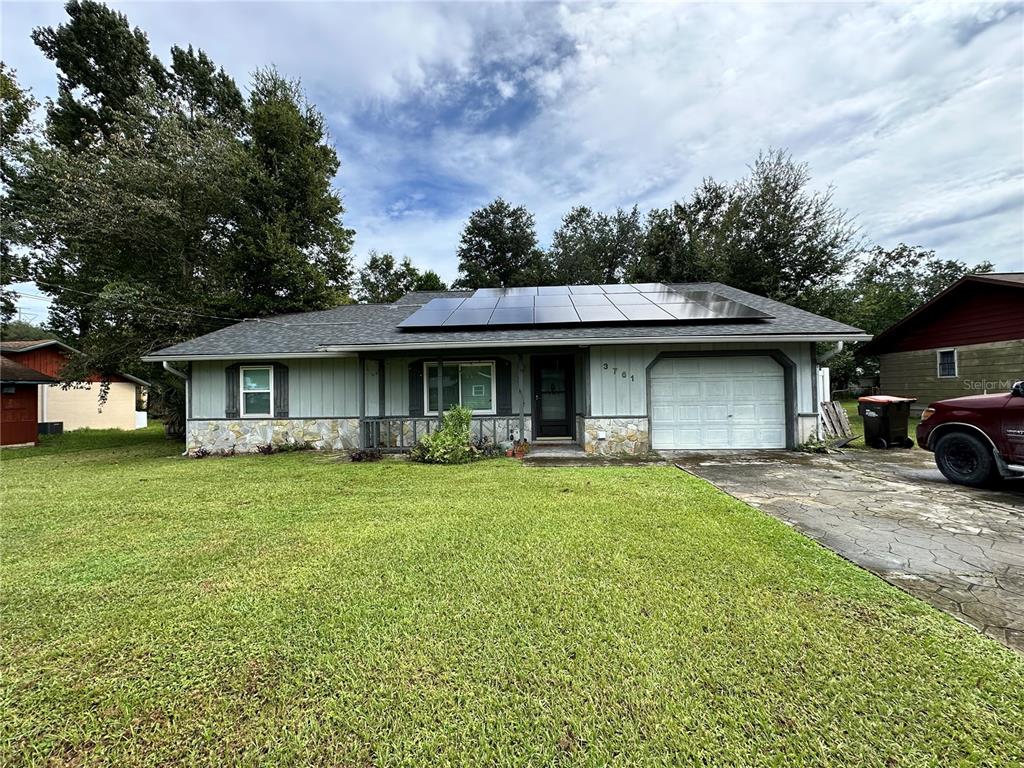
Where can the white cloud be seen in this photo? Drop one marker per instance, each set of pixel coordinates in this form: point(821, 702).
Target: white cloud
point(914, 112)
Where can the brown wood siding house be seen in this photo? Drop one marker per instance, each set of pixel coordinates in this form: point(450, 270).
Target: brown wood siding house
point(968, 340)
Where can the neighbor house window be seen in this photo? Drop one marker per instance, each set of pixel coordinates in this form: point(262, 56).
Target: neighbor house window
point(471, 385)
point(257, 390)
point(947, 363)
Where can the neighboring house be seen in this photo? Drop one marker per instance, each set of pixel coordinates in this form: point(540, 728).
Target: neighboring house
point(615, 368)
point(19, 393)
point(968, 340)
point(79, 405)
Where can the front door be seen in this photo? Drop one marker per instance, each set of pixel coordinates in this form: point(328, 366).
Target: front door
point(553, 406)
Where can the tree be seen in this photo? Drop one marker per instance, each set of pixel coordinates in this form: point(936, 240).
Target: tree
point(102, 63)
point(767, 234)
point(429, 281)
point(591, 247)
point(498, 248)
point(382, 280)
point(16, 143)
point(22, 330)
point(886, 286)
point(292, 250)
point(179, 207)
point(889, 284)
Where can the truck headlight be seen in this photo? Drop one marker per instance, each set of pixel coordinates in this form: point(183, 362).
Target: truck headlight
point(927, 414)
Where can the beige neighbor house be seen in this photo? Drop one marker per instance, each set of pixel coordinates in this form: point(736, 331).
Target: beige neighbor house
point(968, 340)
point(77, 405)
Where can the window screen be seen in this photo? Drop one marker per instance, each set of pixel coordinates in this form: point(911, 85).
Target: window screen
point(947, 362)
point(468, 384)
point(256, 383)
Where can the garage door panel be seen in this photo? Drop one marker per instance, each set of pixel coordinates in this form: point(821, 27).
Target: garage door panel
point(718, 402)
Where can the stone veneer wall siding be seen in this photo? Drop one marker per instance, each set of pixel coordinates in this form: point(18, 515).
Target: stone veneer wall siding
point(246, 435)
point(629, 435)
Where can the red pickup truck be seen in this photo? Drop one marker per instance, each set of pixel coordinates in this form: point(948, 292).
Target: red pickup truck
point(976, 439)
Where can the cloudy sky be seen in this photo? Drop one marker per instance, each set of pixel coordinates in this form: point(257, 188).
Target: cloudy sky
point(914, 113)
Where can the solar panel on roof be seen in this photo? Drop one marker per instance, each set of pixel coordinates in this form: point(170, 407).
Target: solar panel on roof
point(463, 317)
point(564, 315)
point(644, 312)
point(511, 316)
point(424, 319)
point(556, 300)
point(590, 299)
point(515, 301)
point(608, 314)
point(619, 299)
point(571, 305)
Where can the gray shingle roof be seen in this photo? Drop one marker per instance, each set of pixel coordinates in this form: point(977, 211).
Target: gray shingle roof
point(373, 326)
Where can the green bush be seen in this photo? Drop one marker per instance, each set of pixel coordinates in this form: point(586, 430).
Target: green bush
point(449, 444)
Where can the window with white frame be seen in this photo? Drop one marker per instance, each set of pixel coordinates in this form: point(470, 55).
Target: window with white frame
point(257, 390)
point(946, 363)
point(470, 384)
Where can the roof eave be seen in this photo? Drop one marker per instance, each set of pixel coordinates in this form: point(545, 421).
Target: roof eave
point(156, 357)
point(588, 342)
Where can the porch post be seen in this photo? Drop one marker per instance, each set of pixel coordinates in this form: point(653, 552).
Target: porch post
point(440, 390)
point(522, 399)
point(361, 397)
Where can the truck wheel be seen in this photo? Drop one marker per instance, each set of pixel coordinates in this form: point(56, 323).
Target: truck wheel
point(964, 459)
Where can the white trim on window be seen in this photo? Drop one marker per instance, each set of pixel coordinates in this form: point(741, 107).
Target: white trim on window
point(938, 364)
point(242, 390)
point(493, 410)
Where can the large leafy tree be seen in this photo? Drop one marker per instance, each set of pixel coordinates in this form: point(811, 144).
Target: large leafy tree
point(383, 280)
point(16, 145)
point(769, 234)
point(164, 205)
point(593, 247)
point(102, 63)
point(291, 249)
point(498, 248)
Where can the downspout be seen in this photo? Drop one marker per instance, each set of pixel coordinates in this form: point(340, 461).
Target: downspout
point(831, 353)
point(188, 397)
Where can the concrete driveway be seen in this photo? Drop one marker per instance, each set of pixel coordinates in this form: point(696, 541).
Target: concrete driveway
point(893, 513)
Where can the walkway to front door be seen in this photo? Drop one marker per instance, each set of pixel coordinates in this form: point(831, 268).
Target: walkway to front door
point(553, 405)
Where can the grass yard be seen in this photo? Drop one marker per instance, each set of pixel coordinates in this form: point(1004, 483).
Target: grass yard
point(286, 610)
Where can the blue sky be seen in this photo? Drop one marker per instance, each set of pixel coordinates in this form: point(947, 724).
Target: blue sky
point(913, 113)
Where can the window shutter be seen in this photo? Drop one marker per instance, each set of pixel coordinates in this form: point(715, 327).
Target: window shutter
point(280, 391)
point(232, 382)
point(503, 385)
point(416, 388)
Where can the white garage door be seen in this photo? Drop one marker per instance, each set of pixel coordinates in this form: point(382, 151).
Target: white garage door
point(718, 402)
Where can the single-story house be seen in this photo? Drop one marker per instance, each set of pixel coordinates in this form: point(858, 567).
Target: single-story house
point(615, 368)
point(78, 405)
point(968, 340)
point(19, 393)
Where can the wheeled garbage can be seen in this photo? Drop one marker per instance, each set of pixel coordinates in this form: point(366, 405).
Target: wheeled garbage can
point(885, 420)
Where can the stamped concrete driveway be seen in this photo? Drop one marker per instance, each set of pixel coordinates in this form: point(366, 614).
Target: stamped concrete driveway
point(893, 513)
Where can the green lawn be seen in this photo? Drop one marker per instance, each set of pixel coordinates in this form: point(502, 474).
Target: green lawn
point(287, 610)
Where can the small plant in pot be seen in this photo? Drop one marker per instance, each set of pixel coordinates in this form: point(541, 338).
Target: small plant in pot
point(520, 448)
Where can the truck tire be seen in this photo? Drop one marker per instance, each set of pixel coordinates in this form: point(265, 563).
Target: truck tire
point(965, 459)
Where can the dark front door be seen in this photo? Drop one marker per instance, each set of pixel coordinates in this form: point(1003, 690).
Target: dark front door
point(553, 407)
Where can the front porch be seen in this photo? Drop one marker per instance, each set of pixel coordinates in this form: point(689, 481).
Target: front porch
point(397, 434)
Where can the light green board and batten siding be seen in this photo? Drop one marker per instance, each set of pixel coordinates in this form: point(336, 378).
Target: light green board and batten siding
point(327, 387)
point(317, 387)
